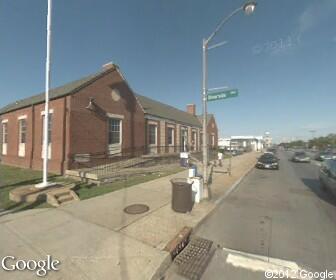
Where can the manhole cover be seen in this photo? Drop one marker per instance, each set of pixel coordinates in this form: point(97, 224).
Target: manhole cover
point(136, 209)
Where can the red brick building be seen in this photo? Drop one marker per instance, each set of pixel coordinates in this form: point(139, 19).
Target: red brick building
point(97, 114)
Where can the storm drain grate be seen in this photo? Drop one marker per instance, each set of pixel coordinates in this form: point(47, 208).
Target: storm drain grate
point(136, 209)
point(193, 260)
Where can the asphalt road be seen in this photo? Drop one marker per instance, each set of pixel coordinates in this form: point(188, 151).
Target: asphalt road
point(278, 220)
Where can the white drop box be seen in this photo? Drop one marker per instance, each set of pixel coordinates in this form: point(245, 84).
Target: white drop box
point(197, 188)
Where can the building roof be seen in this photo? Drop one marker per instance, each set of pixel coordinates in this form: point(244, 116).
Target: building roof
point(54, 93)
point(150, 106)
point(158, 109)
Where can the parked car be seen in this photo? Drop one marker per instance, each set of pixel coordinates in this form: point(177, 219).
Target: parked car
point(300, 157)
point(236, 152)
point(272, 150)
point(267, 161)
point(327, 175)
point(324, 156)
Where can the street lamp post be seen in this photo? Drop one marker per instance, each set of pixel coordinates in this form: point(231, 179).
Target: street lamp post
point(248, 8)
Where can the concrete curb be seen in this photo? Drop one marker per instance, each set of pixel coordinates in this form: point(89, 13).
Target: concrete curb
point(220, 199)
point(160, 272)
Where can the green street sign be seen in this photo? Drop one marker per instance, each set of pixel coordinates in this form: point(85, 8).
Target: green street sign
point(222, 94)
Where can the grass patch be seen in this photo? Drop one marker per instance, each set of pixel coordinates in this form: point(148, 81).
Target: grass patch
point(13, 177)
point(85, 191)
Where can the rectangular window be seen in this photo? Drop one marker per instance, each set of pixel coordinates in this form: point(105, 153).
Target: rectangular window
point(23, 131)
point(170, 136)
point(184, 139)
point(194, 140)
point(152, 131)
point(114, 131)
point(49, 128)
point(5, 133)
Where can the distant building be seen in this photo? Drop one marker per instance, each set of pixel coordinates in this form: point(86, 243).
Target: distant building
point(254, 143)
point(267, 140)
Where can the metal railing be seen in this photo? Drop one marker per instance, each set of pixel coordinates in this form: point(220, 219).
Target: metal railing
point(107, 162)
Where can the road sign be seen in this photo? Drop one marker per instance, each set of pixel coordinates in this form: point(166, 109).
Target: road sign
point(222, 94)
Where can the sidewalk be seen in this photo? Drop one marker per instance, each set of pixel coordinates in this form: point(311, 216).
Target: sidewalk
point(95, 239)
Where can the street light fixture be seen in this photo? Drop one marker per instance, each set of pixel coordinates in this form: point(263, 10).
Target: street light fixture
point(248, 8)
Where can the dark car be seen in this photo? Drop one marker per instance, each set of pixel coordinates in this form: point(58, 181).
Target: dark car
point(268, 161)
point(300, 157)
point(327, 175)
point(324, 156)
point(272, 150)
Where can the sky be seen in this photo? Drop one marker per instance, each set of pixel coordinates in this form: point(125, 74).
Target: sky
point(282, 59)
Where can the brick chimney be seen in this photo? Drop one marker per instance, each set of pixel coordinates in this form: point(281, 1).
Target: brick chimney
point(191, 109)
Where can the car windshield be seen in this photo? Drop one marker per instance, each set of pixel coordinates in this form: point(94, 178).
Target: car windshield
point(268, 157)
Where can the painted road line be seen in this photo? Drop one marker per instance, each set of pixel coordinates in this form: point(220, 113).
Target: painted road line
point(254, 262)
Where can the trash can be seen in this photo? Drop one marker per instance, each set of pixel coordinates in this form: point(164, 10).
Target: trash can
point(181, 195)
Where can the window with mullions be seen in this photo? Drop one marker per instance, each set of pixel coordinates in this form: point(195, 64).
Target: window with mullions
point(23, 131)
point(170, 136)
point(114, 131)
point(152, 130)
point(4, 133)
point(49, 128)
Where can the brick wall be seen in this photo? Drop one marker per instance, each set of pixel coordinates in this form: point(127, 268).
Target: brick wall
point(212, 130)
point(89, 129)
point(33, 147)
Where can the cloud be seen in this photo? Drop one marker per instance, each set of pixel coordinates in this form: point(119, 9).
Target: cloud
point(314, 13)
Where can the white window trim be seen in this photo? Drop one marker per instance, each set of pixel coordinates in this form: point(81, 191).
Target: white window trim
point(121, 131)
point(115, 116)
point(194, 139)
point(22, 146)
point(117, 145)
point(156, 133)
point(4, 121)
point(51, 111)
point(4, 145)
point(173, 136)
point(23, 117)
point(4, 149)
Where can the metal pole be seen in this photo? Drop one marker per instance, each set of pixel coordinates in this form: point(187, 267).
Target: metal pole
point(230, 159)
point(46, 108)
point(205, 138)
